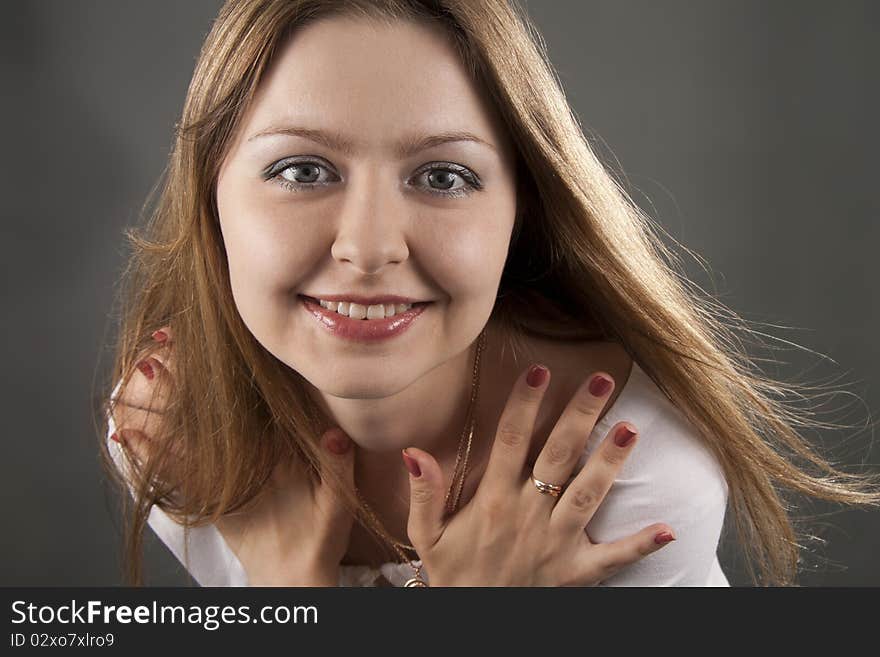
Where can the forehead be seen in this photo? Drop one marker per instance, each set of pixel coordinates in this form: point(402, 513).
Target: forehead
point(371, 81)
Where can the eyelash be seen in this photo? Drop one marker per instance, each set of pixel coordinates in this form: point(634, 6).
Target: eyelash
point(471, 180)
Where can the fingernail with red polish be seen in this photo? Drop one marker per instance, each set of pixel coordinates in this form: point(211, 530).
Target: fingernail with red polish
point(146, 369)
point(411, 464)
point(115, 437)
point(338, 443)
point(160, 336)
point(663, 538)
point(599, 386)
point(624, 437)
point(536, 376)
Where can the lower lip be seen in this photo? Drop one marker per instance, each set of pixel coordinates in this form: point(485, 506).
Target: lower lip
point(363, 330)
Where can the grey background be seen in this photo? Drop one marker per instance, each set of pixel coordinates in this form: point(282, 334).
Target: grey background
point(748, 129)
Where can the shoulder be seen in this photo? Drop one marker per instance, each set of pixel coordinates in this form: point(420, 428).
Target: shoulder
point(670, 476)
point(202, 550)
point(610, 358)
point(670, 447)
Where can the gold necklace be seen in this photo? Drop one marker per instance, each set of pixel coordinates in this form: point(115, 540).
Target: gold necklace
point(459, 473)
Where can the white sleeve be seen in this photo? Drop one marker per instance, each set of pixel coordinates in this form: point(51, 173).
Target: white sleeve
point(210, 560)
point(670, 477)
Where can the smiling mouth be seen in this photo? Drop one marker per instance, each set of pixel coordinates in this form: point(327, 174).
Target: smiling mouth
point(318, 301)
point(361, 327)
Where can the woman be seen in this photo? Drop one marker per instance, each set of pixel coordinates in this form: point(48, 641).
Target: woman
point(338, 162)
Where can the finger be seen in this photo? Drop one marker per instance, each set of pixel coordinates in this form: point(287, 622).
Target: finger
point(164, 338)
point(163, 335)
point(569, 437)
point(339, 446)
point(585, 493)
point(140, 448)
point(515, 429)
point(142, 401)
point(427, 498)
point(157, 370)
point(141, 404)
point(605, 559)
point(136, 415)
point(134, 442)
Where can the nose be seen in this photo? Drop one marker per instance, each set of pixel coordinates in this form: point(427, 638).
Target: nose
point(371, 228)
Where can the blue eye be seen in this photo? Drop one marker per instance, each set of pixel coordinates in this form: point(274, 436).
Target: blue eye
point(306, 175)
point(296, 175)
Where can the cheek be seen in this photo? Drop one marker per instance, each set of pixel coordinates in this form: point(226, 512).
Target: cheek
point(468, 251)
point(266, 251)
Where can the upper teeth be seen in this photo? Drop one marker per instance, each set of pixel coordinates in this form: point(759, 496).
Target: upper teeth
point(359, 311)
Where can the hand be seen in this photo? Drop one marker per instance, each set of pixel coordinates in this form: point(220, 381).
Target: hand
point(295, 534)
point(509, 533)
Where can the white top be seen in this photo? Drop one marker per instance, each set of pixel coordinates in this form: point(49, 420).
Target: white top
point(670, 477)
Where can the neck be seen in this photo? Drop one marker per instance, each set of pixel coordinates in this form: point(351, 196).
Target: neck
point(381, 428)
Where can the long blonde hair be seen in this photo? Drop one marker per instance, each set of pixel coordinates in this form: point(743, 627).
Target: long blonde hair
point(584, 263)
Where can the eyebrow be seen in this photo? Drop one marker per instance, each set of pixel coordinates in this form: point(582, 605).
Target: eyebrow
point(406, 147)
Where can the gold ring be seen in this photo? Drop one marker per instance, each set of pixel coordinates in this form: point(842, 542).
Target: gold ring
point(547, 489)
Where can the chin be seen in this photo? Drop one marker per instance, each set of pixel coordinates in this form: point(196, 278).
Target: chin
point(359, 388)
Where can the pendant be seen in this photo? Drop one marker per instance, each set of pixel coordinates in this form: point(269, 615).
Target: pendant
point(415, 581)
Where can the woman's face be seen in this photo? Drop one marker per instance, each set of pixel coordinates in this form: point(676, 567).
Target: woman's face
point(371, 210)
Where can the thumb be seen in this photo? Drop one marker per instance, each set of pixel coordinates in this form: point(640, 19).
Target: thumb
point(427, 500)
point(341, 451)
